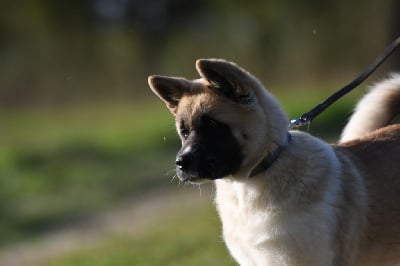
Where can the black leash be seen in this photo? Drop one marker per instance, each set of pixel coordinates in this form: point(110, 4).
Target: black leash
point(306, 118)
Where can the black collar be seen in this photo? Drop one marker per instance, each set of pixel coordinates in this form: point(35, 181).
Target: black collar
point(270, 159)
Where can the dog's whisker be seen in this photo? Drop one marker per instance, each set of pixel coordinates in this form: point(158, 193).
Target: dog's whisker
point(173, 178)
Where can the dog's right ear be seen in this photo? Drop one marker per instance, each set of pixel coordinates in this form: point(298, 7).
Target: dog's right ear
point(169, 89)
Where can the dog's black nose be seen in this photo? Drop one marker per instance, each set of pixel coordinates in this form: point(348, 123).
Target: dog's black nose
point(184, 161)
point(179, 162)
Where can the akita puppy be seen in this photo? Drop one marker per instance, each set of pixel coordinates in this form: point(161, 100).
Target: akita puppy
point(286, 197)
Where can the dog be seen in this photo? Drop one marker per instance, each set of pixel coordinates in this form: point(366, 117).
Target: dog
point(286, 197)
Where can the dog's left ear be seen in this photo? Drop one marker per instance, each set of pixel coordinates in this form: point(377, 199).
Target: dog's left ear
point(226, 78)
point(169, 89)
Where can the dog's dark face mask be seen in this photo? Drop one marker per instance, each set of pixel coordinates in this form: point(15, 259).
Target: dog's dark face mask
point(209, 150)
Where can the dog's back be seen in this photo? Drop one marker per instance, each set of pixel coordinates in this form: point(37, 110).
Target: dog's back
point(375, 149)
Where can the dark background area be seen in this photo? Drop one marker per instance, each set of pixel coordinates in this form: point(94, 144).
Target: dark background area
point(54, 52)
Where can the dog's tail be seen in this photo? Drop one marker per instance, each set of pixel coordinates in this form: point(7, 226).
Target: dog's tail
point(375, 110)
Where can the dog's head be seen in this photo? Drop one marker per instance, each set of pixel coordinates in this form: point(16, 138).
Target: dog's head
point(225, 120)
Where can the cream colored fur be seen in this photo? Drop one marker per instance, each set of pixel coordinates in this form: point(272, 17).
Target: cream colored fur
point(273, 219)
point(375, 110)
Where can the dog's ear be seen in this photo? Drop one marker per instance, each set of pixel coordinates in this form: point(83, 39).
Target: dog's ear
point(226, 78)
point(169, 89)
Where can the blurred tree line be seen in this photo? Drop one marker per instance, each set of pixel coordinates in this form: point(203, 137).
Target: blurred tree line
point(54, 52)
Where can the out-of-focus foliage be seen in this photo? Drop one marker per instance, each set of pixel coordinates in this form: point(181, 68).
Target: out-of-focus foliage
point(64, 52)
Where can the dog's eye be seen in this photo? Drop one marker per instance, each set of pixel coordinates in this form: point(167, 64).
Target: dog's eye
point(185, 134)
point(184, 131)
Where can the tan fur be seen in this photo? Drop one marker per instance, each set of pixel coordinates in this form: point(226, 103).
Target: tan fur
point(317, 204)
point(376, 156)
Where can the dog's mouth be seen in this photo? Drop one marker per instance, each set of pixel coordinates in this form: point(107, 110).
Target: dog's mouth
point(192, 177)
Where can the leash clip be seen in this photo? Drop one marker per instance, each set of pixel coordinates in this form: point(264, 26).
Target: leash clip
point(298, 122)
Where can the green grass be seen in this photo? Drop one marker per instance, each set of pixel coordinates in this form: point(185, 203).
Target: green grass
point(189, 237)
point(112, 126)
point(59, 165)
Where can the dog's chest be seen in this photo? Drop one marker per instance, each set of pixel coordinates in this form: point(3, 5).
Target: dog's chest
point(257, 233)
point(244, 223)
point(250, 230)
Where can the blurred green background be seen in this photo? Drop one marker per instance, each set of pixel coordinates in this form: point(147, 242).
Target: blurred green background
point(83, 138)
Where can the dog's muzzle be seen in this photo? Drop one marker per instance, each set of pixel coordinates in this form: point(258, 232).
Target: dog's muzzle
point(189, 166)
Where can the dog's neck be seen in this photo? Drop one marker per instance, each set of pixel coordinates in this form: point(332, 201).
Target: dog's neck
point(270, 159)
